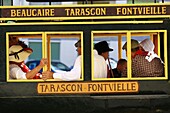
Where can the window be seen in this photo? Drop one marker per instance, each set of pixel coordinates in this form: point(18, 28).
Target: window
point(116, 40)
point(69, 61)
point(57, 47)
point(19, 52)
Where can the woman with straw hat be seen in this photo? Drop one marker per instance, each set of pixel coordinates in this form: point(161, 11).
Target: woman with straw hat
point(18, 69)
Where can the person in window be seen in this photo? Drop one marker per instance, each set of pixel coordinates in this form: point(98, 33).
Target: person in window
point(148, 46)
point(17, 67)
point(100, 68)
point(18, 53)
point(103, 50)
point(141, 67)
point(120, 69)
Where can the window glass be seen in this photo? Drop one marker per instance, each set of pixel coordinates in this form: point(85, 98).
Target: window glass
point(165, 1)
point(7, 2)
point(142, 1)
point(64, 55)
point(37, 50)
point(38, 3)
point(55, 50)
point(108, 47)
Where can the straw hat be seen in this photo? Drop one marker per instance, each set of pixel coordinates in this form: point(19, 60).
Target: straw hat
point(134, 44)
point(19, 54)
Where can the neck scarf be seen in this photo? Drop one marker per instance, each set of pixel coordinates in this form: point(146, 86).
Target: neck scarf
point(149, 56)
point(140, 52)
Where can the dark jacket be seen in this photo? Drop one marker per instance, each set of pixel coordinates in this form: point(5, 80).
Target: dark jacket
point(116, 73)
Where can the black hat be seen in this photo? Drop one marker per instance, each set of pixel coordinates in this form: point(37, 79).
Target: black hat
point(102, 47)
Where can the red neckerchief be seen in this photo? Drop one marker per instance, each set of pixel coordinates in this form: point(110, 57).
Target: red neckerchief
point(140, 52)
point(25, 69)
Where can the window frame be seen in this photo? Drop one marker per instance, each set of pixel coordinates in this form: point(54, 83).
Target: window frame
point(45, 49)
point(129, 34)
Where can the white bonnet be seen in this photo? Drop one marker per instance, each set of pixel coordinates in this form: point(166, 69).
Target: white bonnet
point(147, 45)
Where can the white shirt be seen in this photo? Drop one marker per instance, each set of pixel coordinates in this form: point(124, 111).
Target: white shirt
point(100, 66)
point(74, 74)
point(100, 69)
point(15, 72)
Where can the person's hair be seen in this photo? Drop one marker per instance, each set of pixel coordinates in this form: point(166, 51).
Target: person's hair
point(13, 41)
point(121, 61)
point(99, 52)
point(12, 38)
point(21, 43)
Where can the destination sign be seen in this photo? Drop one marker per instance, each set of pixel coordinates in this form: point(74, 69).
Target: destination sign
point(87, 87)
point(85, 11)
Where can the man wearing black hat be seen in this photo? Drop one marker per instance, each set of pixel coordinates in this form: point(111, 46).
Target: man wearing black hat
point(103, 50)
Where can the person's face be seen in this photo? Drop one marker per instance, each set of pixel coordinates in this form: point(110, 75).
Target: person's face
point(13, 41)
point(78, 50)
point(123, 67)
point(105, 55)
point(141, 48)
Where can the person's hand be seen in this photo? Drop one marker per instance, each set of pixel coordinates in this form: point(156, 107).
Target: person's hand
point(43, 62)
point(47, 75)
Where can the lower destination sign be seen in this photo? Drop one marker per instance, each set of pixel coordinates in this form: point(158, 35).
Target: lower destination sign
point(87, 87)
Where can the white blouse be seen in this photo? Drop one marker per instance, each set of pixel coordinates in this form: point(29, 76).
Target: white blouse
point(15, 72)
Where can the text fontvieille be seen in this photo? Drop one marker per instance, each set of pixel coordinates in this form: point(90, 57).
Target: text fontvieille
point(69, 12)
point(88, 87)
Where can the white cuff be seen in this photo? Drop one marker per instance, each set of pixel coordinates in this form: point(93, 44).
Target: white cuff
point(57, 75)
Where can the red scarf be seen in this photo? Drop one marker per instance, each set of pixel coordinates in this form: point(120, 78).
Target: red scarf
point(25, 69)
point(140, 52)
